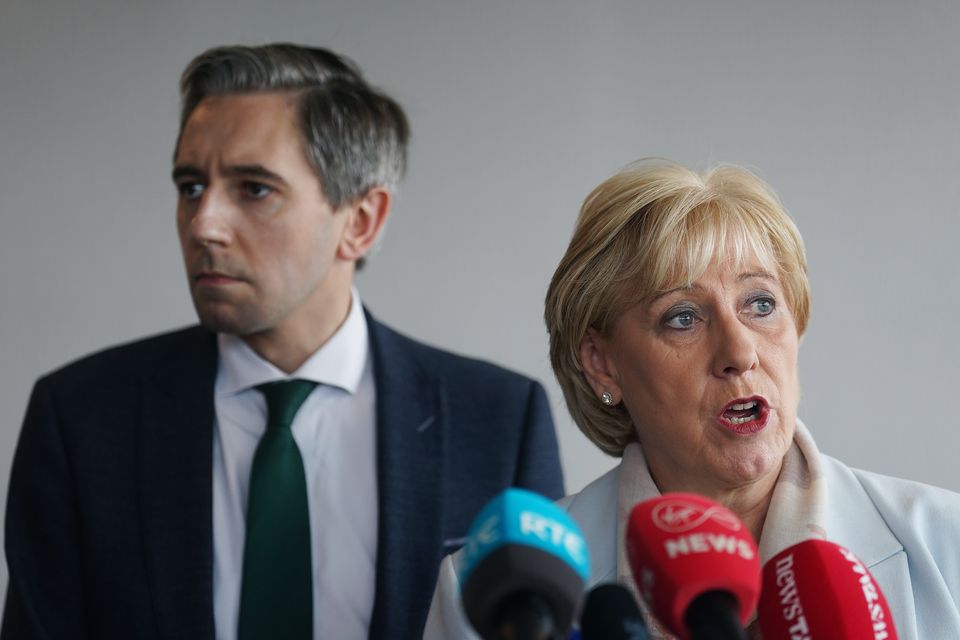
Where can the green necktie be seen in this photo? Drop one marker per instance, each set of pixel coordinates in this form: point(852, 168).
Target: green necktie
point(276, 597)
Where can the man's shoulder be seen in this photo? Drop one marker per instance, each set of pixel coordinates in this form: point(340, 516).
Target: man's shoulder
point(451, 366)
point(133, 358)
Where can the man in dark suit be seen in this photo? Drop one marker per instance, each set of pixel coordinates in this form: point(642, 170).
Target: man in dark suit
point(172, 488)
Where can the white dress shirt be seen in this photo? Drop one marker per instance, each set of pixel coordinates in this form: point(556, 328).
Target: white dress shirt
point(335, 430)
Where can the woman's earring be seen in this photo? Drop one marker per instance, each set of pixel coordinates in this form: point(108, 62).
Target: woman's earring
point(606, 398)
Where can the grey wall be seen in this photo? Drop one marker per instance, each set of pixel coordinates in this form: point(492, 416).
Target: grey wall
point(850, 109)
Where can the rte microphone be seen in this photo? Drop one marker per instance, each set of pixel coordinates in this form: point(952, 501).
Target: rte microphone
point(695, 564)
point(818, 590)
point(610, 613)
point(523, 569)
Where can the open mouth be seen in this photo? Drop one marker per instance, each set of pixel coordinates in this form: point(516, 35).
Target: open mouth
point(745, 414)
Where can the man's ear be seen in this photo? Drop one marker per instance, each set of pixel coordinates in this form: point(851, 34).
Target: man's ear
point(598, 366)
point(365, 220)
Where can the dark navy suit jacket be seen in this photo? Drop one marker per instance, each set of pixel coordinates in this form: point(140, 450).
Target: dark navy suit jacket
point(109, 516)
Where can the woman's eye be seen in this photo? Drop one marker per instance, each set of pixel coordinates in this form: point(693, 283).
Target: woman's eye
point(256, 190)
point(682, 320)
point(763, 306)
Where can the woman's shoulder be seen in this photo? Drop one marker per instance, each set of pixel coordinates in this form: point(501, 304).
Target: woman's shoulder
point(594, 509)
point(916, 502)
point(600, 493)
point(923, 520)
point(906, 533)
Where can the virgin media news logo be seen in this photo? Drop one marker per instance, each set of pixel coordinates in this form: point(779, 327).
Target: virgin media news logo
point(677, 516)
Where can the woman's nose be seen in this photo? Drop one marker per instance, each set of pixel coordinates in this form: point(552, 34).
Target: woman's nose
point(735, 350)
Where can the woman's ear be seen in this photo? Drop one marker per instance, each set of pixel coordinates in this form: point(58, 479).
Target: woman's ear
point(366, 218)
point(599, 367)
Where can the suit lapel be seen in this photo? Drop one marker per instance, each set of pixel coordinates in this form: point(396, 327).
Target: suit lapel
point(410, 454)
point(854, 522)
point(175, 462)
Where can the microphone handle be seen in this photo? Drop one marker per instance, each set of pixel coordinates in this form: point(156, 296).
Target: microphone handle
point(714, 615)
point(526, 616)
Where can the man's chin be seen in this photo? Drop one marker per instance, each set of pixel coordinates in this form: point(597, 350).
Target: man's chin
point(219, 320)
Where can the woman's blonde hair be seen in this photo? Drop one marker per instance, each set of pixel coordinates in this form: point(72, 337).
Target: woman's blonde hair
point(652, 228)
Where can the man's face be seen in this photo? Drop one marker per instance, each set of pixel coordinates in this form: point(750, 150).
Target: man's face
point(259, 238)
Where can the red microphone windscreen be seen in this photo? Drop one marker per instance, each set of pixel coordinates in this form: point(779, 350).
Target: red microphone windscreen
point(683, 545)
point(818, 590)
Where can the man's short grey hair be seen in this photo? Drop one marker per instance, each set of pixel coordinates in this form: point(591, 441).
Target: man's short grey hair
point(354, 135)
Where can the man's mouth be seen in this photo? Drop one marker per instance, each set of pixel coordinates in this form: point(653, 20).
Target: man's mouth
point(745, 415)
point(214, 277)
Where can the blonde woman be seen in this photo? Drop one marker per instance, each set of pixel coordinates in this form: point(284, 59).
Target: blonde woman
point(675, 318)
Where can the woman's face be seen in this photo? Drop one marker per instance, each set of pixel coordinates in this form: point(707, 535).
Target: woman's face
point(708, 375)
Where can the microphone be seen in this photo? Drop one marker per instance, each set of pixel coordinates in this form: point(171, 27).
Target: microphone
point(523, 569)
point(820, 590)
point(695, 564)
point(610, 613)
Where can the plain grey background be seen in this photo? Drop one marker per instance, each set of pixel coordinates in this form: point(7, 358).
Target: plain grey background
point(849, 108)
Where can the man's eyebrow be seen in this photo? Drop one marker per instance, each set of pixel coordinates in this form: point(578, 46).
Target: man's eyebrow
point(182, 171)
point(252, 171)
point(187, 171)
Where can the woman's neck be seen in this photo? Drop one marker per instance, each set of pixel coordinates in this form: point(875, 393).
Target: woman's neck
point(749, 502)
point(752, 510)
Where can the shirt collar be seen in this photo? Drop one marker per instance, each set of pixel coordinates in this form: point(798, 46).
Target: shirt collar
point(339, 362)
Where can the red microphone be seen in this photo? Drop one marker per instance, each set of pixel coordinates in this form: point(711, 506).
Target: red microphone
point(695, 564)
point(819, 590)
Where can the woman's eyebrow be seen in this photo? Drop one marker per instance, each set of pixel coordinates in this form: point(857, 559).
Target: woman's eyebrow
point(692, 287)
point(765, 275)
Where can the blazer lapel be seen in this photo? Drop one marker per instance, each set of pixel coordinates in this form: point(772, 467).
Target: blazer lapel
point(410, 455)
point(854, 522)
point(175, 478)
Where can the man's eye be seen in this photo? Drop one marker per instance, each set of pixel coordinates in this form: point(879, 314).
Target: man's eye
point(256, 190)
point(190, 190)
point(682, 320)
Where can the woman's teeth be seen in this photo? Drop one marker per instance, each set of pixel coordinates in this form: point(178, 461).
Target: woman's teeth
point(743, 412)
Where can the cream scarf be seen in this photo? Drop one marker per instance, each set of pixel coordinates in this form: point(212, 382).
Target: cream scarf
point(797, 508)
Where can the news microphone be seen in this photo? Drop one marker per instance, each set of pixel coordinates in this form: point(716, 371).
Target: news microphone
point(818, 590)
point(695, 564)
point(523, 569)
point(610, 613)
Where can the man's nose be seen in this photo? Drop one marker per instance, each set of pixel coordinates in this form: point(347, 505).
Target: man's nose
point(210, 222)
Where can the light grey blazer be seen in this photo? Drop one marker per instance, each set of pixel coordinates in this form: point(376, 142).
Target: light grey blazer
point(906, 533)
